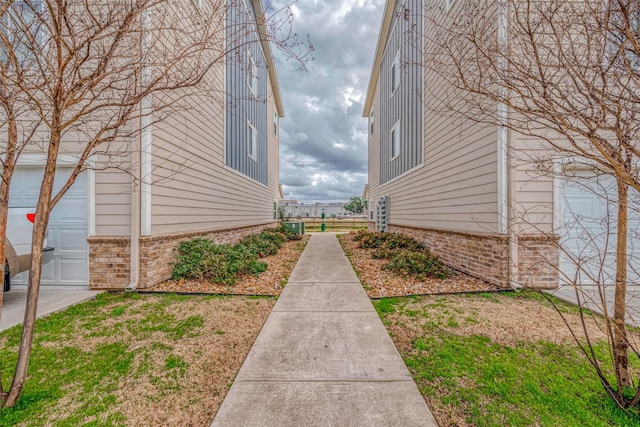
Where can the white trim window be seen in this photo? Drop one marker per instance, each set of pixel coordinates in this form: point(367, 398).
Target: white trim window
point(252, 74)
point(395, 140)
point(395, 73)
point(275, 122)
point(371, 122)
point(252, 141)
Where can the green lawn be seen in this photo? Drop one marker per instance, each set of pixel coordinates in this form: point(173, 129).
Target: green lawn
point(470, 378)
point(133, 360)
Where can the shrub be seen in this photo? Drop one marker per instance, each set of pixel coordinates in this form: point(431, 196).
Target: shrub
point(408, 262)
point(263, 244)
point(369, 240)
point(202, 259)
point(190, 257)
point(389, 241)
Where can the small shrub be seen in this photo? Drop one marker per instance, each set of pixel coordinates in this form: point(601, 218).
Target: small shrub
point(263, 244)
point(418, 263)
point(398, 241)
point(386, 245)
point(190, 256)
point(383, 253)
point(202, 259)
point(369, 240)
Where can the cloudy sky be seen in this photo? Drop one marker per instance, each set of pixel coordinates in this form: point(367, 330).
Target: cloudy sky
point(323, 139)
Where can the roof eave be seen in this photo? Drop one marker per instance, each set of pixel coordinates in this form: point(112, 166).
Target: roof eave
point(383, 35)
point(266, 47)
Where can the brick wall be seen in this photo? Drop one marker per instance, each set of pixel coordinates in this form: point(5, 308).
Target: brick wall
point(538, 261)
point(486, 255)
point(156, 252)
point(110, 261)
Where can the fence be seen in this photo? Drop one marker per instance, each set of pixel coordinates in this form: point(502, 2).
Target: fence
point(334, 224)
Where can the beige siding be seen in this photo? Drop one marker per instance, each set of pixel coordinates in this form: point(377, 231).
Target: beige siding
point(192, 188)
point(113, 203)
point(455, 188)
point(533, 207)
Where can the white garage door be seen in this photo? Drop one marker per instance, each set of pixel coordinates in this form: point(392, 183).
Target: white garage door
point(68, 226)
point(589, 231)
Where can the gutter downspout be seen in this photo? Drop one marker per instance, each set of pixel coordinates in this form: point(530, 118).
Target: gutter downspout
point(141, 190)
point(506, 217)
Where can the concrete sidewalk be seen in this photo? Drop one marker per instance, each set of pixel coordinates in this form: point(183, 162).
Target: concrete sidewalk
point(323, 357)
point(590, 298)
point(50, 300)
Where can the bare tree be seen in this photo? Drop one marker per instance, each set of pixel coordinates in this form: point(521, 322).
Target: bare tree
point(86, 78)
point(566, 74)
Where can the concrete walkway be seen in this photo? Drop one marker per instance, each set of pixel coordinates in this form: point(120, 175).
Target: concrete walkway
point(50, 300)
point(590, 298)
point(323, 357)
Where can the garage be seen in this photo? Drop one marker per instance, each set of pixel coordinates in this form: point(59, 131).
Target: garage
point(68, 226)
point(588, 230)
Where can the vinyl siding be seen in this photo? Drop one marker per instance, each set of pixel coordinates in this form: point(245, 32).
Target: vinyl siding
point(403, 105)
point(534, 191)
point(455, 188)
point(192, 187)
point(113, 203)
point(244, 106)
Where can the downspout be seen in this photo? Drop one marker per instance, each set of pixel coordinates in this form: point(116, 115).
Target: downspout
point(506, 217)
point(141, 190)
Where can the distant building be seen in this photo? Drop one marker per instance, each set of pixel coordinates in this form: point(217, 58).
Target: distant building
point(312, 210)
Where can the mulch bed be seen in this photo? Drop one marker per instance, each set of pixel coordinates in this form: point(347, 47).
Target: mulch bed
point(269, 283)
point(380, 283)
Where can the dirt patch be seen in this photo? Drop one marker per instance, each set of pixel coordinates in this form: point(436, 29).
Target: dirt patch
point(269, 283)
point(381, 283)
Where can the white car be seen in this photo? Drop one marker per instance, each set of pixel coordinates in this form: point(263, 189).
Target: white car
point(18, 244)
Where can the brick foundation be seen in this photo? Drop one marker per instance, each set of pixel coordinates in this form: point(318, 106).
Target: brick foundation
point(486, 255)
point(110, 261)
point(538, 261)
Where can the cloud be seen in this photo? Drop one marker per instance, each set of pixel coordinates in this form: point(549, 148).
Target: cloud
point(323, 137)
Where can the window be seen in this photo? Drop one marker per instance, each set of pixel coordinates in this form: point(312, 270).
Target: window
point(25, 27)
point(395, 141)
point(252, 74)
point(275, 121)
point(371, 122)
point(252, 141)
point(395, 73)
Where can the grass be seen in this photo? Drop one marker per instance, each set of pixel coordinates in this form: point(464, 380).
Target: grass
point(472, 379)
point(143, 349)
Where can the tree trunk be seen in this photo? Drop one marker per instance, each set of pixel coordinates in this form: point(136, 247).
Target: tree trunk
point(620, 344)
point(7, 173)
point(43, 210)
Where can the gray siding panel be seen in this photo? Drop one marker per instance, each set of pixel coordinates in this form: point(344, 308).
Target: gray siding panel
point(242, 106)
point(405, 104)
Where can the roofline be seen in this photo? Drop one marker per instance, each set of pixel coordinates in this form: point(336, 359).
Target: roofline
point(266, 47)
point(383, 36)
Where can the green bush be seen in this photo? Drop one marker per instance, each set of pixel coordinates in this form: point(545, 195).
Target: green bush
point(202, 259)
point(412, 263)
point(369, 240)
point(263, 244)
point(389, 241)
